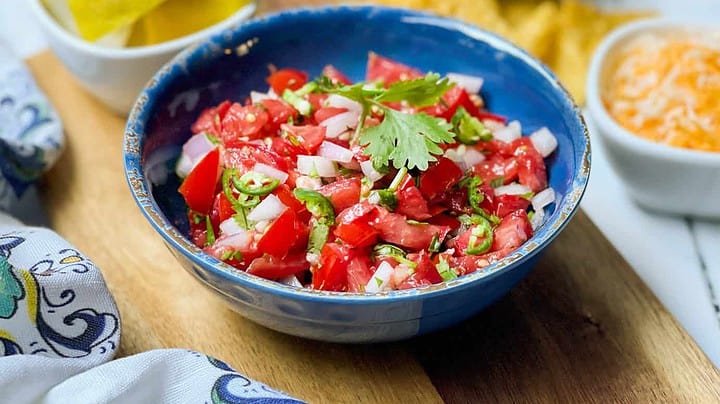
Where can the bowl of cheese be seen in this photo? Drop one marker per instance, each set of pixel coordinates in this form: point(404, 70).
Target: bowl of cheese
point(654, 96)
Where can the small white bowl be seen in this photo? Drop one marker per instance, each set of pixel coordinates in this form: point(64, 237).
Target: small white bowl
point(656, 176)
point(116, 76)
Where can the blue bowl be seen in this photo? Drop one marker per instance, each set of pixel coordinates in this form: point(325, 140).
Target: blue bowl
point(230, 65)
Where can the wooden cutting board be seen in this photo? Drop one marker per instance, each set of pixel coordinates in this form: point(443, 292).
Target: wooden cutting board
point(581, 328)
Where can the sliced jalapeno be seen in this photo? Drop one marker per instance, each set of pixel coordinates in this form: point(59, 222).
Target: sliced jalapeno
point(483, 229)
point(255, 183)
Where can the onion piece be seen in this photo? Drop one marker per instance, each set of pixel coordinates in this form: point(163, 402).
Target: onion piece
point(256, 96)
point(184, 166)
point(339, 123)
point(512, 189)
point(268, 209)
point(338, 101)
point(236, 241)
point(544, 141)
point(271, 172)
point(471, 84)
point(291, 280)
point(537, 219)
point(230, 226)
point(381, 279)
point(543, 199)
point(307, 182)
point(334, 152)
point(192, 152)
point(315, 165)
point(370, 171)
point(457, 155)
point(472, 157)
point(510, 132)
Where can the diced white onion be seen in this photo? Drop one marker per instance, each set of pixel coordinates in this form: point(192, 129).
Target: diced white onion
point(543, 199)
point(334, 152)
point(271, 172)
point(471, 84)
point(268, 209)
point(192, 152)
point(510, 132)
point(472, 157)
point(256, 96)
point(381, 279)
point(230, 226)
point(338, 101)
point(307, 182)
point(262, 225)
point(512, 189)
point(544, 141)
point(291, 280)
point(339, 123)
point(538, 219)
point(236, 241)
point(321, 166)
point(370, 171)
point(457, 155)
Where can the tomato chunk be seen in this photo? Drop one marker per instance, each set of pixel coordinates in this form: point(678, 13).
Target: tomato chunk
point(512, 232)
point(287, 79)
point(198, 188)
point(388, 71)
point(439, 177)
point(358, 234)
point(271, 267)
point(331, 274)
point(242, 121)
point(280, 235)
point(395, 229)
point(343, 193)
point(336, 76)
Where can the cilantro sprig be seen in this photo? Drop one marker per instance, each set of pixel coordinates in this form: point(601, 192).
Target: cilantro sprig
point(402, 139)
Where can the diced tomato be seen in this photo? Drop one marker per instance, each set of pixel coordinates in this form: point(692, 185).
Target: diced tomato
point(198, 188)
point(222, 209)
point(506, 204)
point(439, 177)
point(317, 100)
point(531, 166)
point(443, 219)
point(453, 99)
point(271, 267)
point(287, 78)
point(245, 155)
point(395, 229)
point(359, 272)
point(309, 137)
point(198, 229)
point(388, 71)
point(286, 196)
point(279, 112)
point(482, 115)
point(324, 113)
point(512, 232)
point(286, 149)
point(425, 272)
point(242, 121)
point(411, 203)
point(343, 193)
point(358, 234)
point(331, 273)
point(495, 168)
point(363, 211)
point(210, 119)
point(336, 77)
point(280, 235)
point(496, 146)
point(462, 241)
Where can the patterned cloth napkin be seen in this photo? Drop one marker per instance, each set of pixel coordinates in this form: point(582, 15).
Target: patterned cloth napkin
point(59, 325)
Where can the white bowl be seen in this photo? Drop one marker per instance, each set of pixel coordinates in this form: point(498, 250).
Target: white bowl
point(656, 176)
point(116, 76)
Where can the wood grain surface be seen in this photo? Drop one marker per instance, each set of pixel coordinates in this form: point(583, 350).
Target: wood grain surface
point(581, 328)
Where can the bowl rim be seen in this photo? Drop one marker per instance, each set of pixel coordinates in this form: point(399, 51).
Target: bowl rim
point(547, 233)
point(608, 126)
point(55, 29)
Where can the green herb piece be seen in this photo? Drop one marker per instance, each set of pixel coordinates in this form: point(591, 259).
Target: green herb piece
point(397, 181)
point(255, 183)
point(435, 243)
point(308, 88)
point(298, 102)
point(475, 195)
point(236, 255)
point(405, 140)
point(395, 252)
point(497, 182)
point(482, 229)
point(213, 139)
point(197, 218)
point(210, 232)
point(319, 233)
point(445, 271)
point(384, 197)
point(469, 130)
point(528, 195)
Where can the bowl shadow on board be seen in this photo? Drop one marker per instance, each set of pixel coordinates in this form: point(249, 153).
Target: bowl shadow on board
point(236, 62)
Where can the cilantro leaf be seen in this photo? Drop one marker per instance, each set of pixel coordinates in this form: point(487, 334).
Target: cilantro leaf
point(408, 140)
point(420, 92)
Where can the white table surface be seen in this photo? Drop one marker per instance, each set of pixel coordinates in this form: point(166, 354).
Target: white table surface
point(678, 258)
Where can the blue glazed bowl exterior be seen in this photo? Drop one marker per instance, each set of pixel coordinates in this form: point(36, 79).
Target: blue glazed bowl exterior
point(235, 62)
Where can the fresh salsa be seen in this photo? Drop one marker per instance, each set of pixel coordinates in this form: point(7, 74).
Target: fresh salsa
point(400, 181)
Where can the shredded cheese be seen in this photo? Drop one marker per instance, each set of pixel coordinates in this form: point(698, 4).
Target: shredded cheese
point(667, 89)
